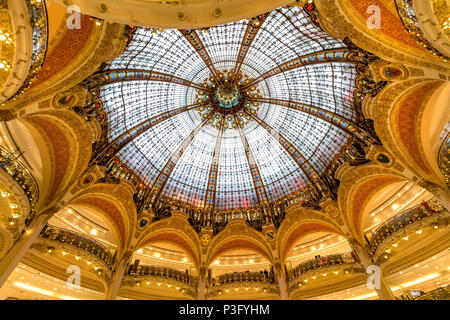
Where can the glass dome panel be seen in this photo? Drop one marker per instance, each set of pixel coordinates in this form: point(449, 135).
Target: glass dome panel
point(286, 34)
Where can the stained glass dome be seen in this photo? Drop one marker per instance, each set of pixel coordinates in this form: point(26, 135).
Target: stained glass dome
point(240, 115)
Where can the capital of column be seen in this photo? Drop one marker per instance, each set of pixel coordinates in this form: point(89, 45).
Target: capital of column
point(361, 252)
point(127, 256)
point(46, 214)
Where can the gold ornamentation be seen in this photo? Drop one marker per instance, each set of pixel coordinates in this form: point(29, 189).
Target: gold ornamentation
point(271, 234)
point(332, 211)
point(337, 20)
point(205, 240)
point(104, 44)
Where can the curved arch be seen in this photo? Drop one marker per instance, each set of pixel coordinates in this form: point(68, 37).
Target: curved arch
point(403, 112)
point(428, 17)
point(238, 243)
point(191, 14)
point(18, 50)
point(174, 237)
point(433, 121)
point(238, 235)
point(406, 120)
point(65, 144)
point(115, 203)
point(301, 230)
point(92, 220)
point(349, 18)
point(176, 230)
point(363, 193)
point(72, 56)
point(358, 186)
point(300, 222)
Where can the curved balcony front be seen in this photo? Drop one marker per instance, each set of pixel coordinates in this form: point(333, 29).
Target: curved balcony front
point(444, 158)
point(78, 242)
point(13, 167)
point(160, 282)
point(321, 276)
point(257, 285)
point(163, 272)
point(332, 264)
point(438, 294)
point(19, 194)
point(25, 42)
point(411, 219)
point(425, 26)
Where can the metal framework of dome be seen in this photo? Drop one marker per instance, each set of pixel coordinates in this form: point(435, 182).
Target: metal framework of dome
point(228, 121)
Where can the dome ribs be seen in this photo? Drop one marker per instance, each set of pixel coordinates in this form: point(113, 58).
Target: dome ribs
point(254, 25)
point(195, 41)
point(165, 173)
point(260, 189)
point(326, 56)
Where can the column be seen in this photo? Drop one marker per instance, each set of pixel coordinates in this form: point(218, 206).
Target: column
point(384, 291)
point(281, 280)
point(112, 291)
point(201, 284)
point(18, 250)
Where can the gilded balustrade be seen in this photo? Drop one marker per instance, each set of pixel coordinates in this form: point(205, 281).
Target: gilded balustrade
point(163, 272)
point(39, 26)
point(250, 283)
point(444, 158)
point(320, 263)
point(11, 165)
point(438, 294)
point(80, 241)
point(237, 277)
point(402, 220)
point(405, 9)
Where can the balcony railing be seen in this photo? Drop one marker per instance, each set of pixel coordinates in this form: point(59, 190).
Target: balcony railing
point(402, 220)
point(405, 9)
point(319, 263)
point(38, 19)
point(242, 283)
point(237, 277)
point(39, 26)
point(444, 158)
point(438, 294)
point(163, 272)
point(12, 166)
point(80, 241)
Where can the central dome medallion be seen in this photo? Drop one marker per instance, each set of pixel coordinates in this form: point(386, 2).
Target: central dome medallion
point(228, 100)
point(227, 96)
